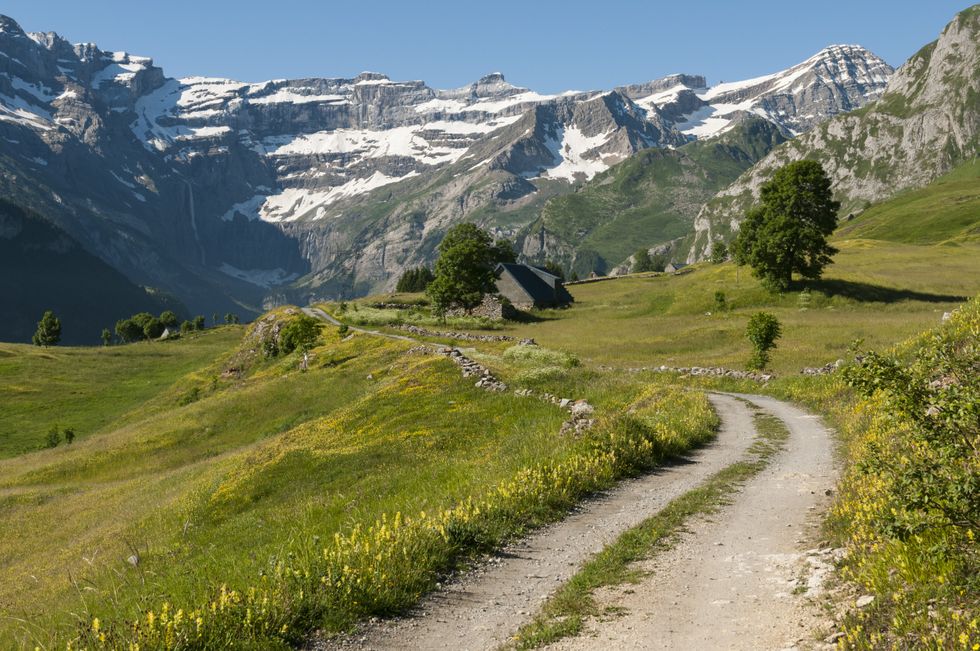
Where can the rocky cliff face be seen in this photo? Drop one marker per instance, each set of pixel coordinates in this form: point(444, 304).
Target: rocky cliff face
point(238, 194)
point(923, 125)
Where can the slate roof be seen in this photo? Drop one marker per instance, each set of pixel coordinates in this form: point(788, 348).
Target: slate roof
point(543, 287)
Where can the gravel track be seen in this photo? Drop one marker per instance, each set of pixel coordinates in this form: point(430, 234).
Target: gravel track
point(481, 609)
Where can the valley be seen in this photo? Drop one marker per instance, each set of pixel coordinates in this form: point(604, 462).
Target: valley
point(674, 456)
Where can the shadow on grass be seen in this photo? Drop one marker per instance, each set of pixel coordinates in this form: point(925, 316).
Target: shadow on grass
point(866, 292)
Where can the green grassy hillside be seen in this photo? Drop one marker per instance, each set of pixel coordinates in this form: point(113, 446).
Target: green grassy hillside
point(945, 210)
point(231, 465)
point(87, 388)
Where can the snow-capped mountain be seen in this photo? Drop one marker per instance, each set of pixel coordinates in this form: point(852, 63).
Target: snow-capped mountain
point(211, 187)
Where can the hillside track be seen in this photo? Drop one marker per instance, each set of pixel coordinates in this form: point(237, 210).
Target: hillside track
point(483, 608)
point(742, 579)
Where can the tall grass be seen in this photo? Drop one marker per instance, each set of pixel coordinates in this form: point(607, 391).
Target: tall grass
point(385, 567)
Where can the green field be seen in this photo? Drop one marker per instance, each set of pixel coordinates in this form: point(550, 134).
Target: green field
point(88, 388)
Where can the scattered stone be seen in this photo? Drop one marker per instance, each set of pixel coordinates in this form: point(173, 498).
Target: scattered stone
point(865, 600)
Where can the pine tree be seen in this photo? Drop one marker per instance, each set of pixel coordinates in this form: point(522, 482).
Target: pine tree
point(48, 331)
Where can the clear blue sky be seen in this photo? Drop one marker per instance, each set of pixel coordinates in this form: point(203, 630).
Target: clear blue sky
point(548, 45)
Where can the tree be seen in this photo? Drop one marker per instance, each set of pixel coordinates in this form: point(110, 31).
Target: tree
point(214, 318)
point(464, 271)
point(199, 322)
point(719, 252)
point(415, 280)
point(300, 333)
point(129, 330)
point(554, 269)
point(53, 438)
point(153, 328)
point(168, 318)
point(642, 261)
point(763, 330)
point(787, 232)
point(106, 337)
point(503, 251)
point(69, 435)
point(231, 317)
point(48, 331)
point(186, 327)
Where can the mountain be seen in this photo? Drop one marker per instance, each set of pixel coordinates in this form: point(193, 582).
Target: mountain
point(43, 268)
point(234, 196)
point(925, 124)
point(648, 200)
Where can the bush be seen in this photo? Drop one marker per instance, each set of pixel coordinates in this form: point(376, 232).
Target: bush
point(153, 328)
point(199, 322)
point(53, 438)
point(763, 330)
point(168, 318)
point(721, 304)
point(719, 253)
point(300, 333)
point(909, 502)
point(129, 330)
point(186, 327)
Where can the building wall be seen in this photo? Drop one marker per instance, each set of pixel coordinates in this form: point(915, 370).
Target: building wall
point(510, 289)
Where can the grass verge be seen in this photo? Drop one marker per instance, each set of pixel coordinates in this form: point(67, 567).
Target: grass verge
point(565, 613)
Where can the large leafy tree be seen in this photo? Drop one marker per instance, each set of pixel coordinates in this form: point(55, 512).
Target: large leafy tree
point(48, 331)
point(464, 270)
point(787, 232)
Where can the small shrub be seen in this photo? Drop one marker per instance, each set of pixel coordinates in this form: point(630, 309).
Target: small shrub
point(69, 435)
point(763, 330)
point(721, 304)
point(193, 395)
point(53, 438)
point(342, 329)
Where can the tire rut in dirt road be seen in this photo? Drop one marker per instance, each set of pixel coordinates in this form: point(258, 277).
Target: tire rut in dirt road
point(741, 578)
point(482, 609)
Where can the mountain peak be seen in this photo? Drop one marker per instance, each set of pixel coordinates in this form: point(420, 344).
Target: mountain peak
point(9, 25)
point(492, 78)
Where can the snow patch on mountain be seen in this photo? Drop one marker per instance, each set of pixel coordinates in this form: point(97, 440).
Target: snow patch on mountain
point(576, 155)
point(262, 277)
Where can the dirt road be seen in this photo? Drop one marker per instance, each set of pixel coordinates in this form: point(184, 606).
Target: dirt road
point(484, 608)
point(741, 579)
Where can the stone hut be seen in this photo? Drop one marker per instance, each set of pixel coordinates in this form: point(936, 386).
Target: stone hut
point(674, 266)
point(527, 287)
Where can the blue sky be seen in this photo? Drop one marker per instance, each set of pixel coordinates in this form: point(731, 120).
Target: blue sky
point(546, 45)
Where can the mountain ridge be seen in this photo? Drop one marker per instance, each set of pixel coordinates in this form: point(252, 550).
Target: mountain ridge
point(237, 196)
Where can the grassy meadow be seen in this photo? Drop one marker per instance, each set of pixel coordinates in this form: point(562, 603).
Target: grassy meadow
point(216, 482)
point(87, 388)
point(214, 497)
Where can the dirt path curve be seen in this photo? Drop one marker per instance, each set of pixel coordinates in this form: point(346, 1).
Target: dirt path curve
point(740, 579)
point(483, 608)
